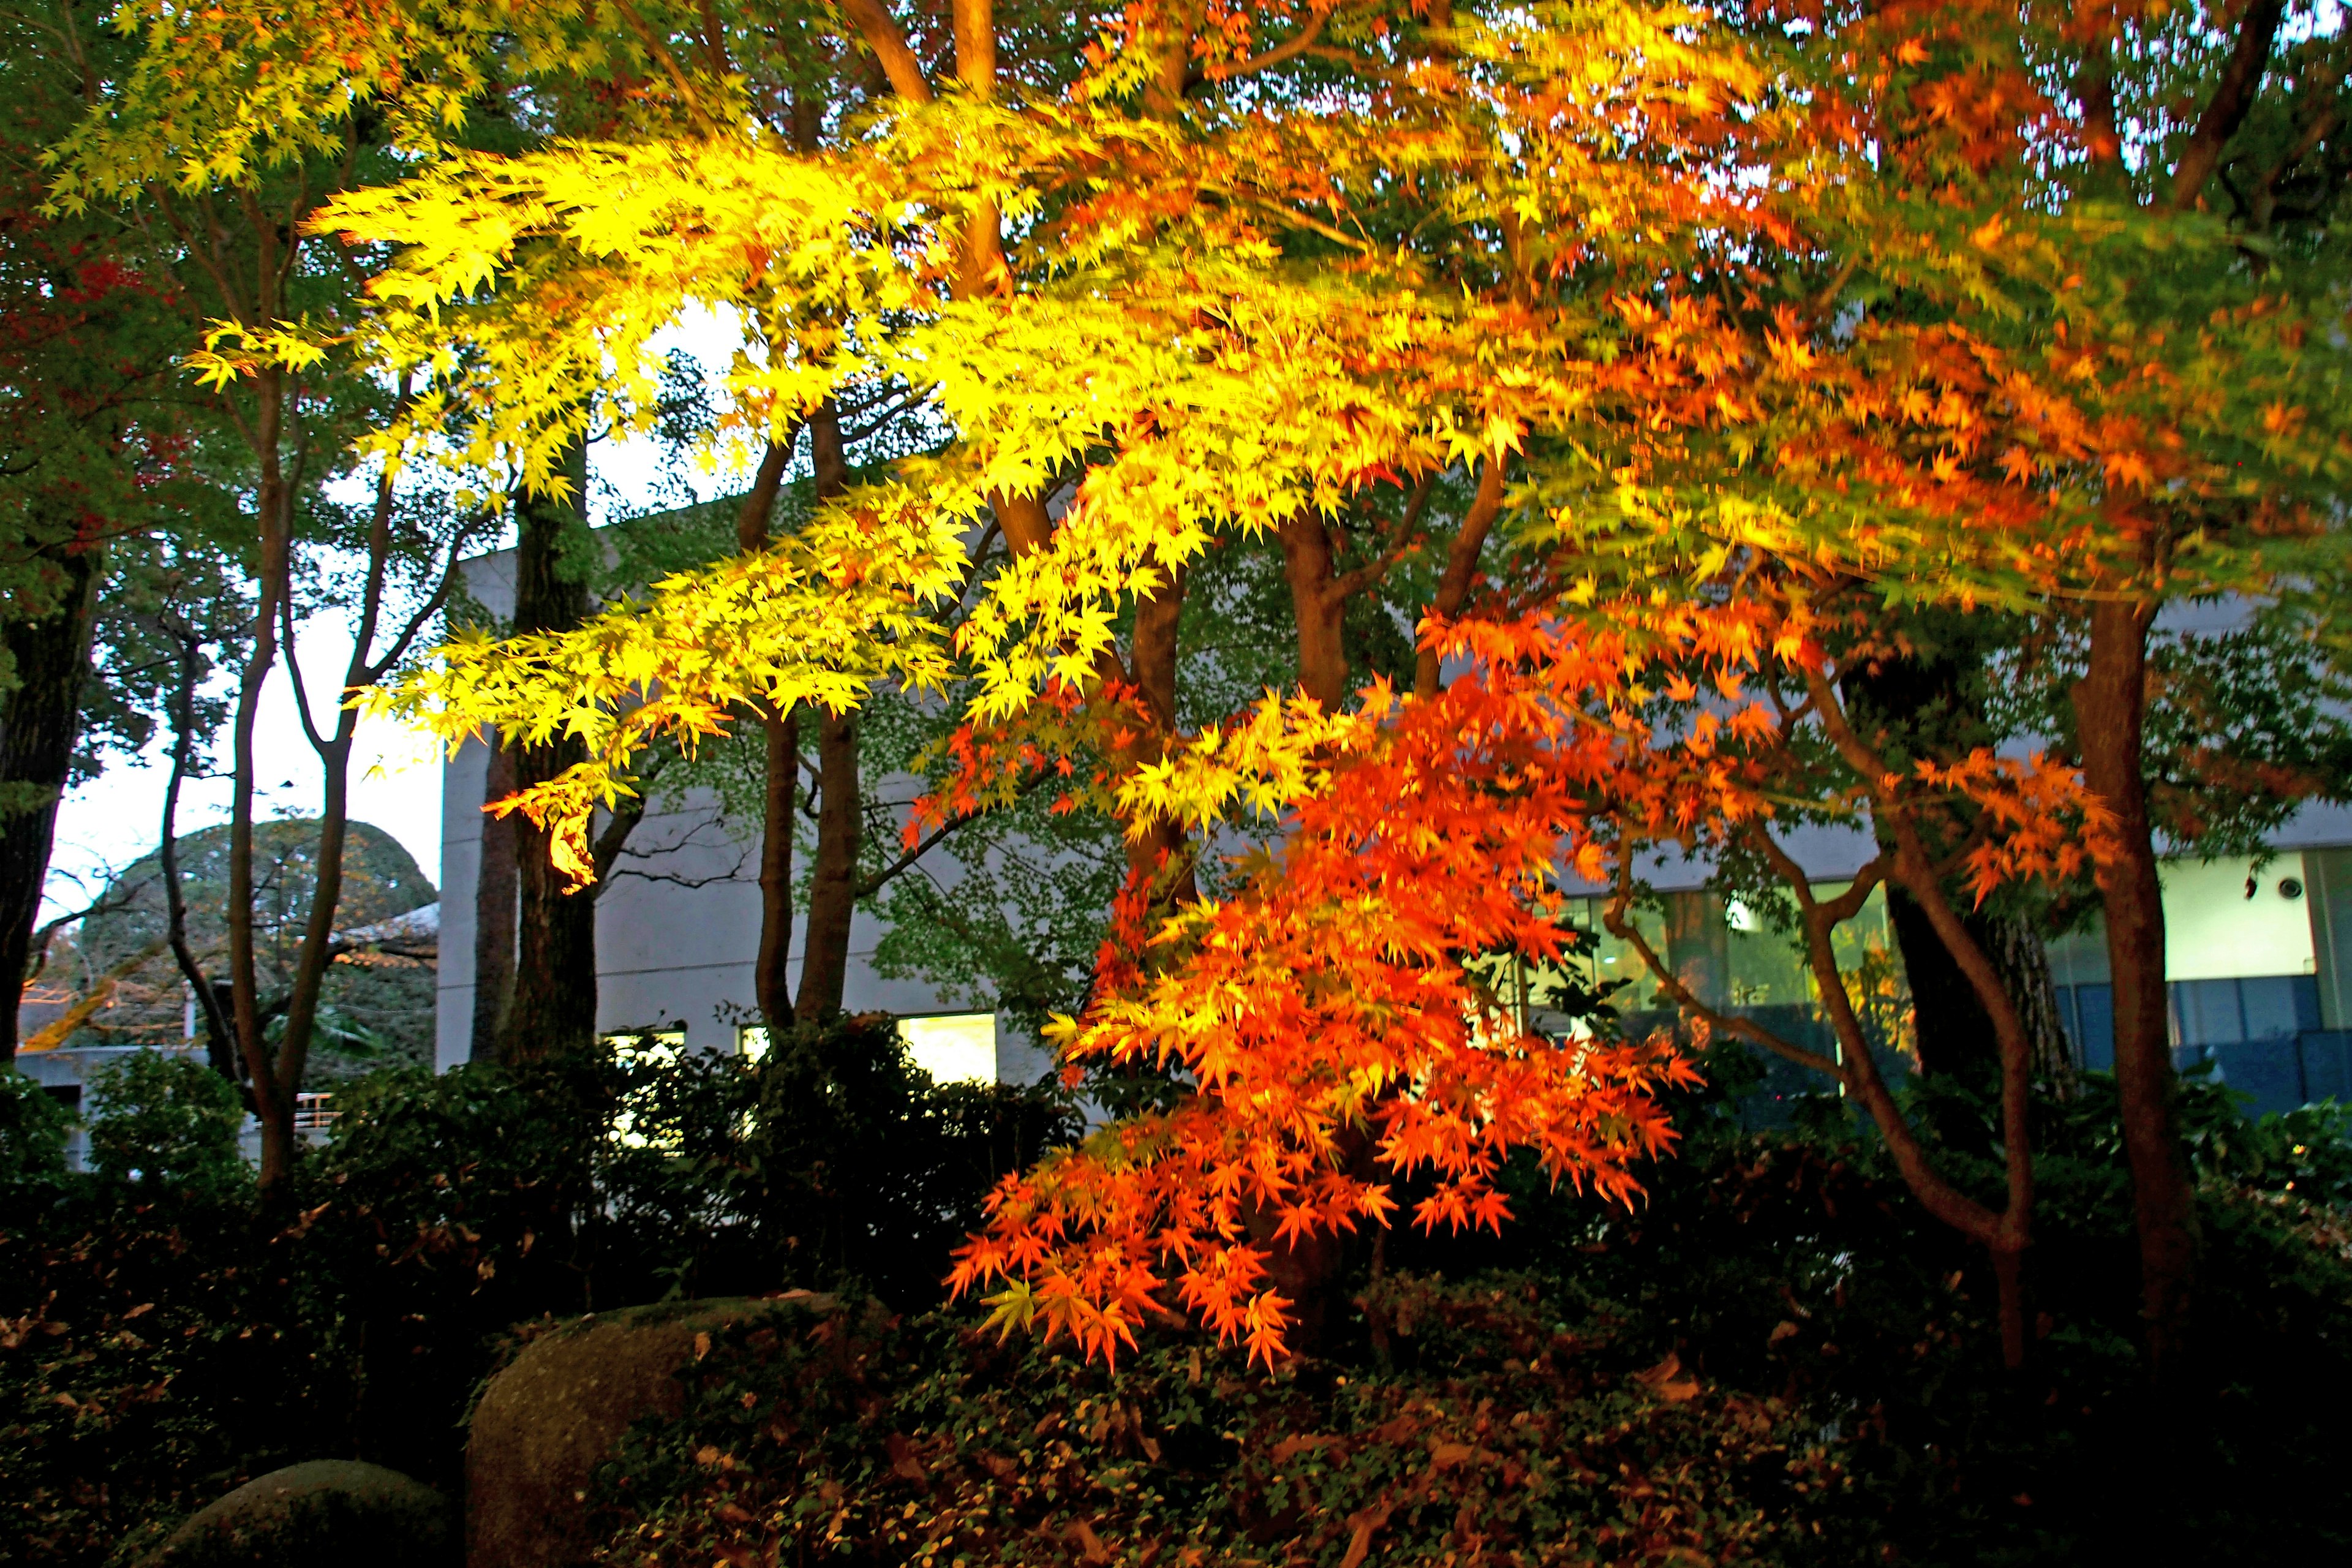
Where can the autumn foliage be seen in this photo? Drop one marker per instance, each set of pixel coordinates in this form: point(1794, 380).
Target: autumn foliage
point(1760, 328)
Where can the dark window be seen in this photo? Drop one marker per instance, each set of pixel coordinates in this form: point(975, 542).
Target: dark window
point(2090, 1012)
point(2206, 1012)
point(2276, 1006)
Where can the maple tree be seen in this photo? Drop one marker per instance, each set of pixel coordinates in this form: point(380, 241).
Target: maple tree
point(2028, 383)
point(1855, 293)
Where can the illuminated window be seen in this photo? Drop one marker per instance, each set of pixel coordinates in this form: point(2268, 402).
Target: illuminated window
point(648, 1045)
point(751, 1042)
point(953, 1048)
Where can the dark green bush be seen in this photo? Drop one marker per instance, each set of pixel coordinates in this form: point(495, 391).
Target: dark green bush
point(165, 1119)
point(1776, 1340)
point(1797, 1264)
point(32, 1132)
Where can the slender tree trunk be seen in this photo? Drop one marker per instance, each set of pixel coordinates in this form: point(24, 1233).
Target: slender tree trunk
point(220, 1035)
point(39, 723)
point(273, 1110)
point(840, 822)
point(311, 959)
point(2110, 706)
point(1461, 565)
point(554, 1006)
point(1160, 852)
point(770, 979)
point(494, 912)
point(832, 880)
point(334, 750)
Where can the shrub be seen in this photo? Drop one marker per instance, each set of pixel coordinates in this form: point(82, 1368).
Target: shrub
point(33, 1131)
point(1776, 1338)
point(165, 1119)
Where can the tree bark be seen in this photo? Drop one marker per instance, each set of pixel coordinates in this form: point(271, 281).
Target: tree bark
point(1462, 564)
point(1160, 852)
point(39, 723)
point(274, 504)
point(494, 912)
point(771, 977)
point(210, 995)
point(2110, 712)
point(554, 1006)
point(1307, 562)
point(832, 880)
point(840, 822)
point(1955, 1034)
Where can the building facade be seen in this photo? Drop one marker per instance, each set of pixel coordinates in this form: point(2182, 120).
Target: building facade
point(678, 930)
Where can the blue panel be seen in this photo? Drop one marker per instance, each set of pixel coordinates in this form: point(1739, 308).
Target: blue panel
point(2271, 1005)
point(2269, 1071)
point(2208, 1013)
point(2307, 1002)
point(2327, 1063)
point(2095, 1005)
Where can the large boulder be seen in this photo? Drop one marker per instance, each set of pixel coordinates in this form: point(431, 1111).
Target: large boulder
point(329, 1513)
point(555, 1412)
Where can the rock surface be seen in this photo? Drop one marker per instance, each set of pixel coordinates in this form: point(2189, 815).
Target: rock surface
point(545, 1422)
point(328, 1514)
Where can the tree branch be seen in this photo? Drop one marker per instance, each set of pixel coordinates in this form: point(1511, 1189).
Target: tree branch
point(2231, 99)
point(1731, 1023)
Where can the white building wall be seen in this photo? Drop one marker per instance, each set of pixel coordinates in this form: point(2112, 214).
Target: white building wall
point(677, 925)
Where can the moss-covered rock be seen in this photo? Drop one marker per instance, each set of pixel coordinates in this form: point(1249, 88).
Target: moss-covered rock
point(545, 1422)
point(328, 1514)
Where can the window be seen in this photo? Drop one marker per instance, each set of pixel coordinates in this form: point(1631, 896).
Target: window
point(953, 1048)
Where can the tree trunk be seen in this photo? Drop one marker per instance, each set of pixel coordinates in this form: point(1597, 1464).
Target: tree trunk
point(832, 880)
point(273, 1110)
point(770, 979)
point(1462, 564)
point(318, 931)
point(2110, 705)
point(840, 823)
point(494, 912)
point(214, 998)
point(553, 1008)
point(1307, 561)
point(1955, 1035)
point(333, 747)
point(39, 723)
point(2018, 951)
